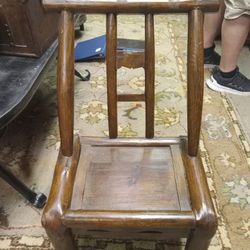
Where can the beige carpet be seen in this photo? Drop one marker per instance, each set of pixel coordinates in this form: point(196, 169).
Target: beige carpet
point(30, 144)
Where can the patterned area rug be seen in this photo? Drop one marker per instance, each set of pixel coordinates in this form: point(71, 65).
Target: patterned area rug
point(30, 144)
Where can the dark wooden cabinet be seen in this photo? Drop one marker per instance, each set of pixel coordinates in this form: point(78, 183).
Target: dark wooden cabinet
point(25, 28)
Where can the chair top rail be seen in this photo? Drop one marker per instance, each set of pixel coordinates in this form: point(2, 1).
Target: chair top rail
point(131, 6)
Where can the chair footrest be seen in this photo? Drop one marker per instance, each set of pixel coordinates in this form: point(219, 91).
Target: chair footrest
point(147, 219)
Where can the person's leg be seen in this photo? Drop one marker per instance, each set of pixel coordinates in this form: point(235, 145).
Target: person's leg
point(234, 34)
point(235, 27)
point(212, 25)
point(227, 77)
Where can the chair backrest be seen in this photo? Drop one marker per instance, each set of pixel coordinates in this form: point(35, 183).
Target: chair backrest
point(112, 66)
point(111, 8)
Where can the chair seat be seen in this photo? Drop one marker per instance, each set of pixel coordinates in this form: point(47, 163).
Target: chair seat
point(120, 177)
point(138, 180)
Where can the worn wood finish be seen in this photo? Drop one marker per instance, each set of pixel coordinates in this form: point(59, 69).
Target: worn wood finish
point(141, 220)
point(130, 60)
point(132, 187)
point(195, 79)
point(206, 222)
point(131, 176)
point(65, 81)
point(132, 142)
point(60, 199)
point(131, 98)
point(177, 6)
point(111, 74)
point(179, 171)
point(149, 74)
point(165, 234)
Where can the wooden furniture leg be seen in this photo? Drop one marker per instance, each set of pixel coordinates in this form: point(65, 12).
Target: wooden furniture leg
point(205, 218)
point(59, 199)
point(195, 78)
point(61, 192)
point(111, 30)
point(65, 82)
point(206, 222)
point(149, 74)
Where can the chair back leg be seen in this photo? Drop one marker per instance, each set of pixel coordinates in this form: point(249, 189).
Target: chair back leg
point(111, 30)
point(195, 76)
point(65, 82)
point(149, 74)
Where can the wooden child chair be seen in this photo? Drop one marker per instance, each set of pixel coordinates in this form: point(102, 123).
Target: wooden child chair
point(152, 188)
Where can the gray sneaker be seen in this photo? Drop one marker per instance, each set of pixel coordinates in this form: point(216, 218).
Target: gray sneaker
point(212, 60)
point(238, 84)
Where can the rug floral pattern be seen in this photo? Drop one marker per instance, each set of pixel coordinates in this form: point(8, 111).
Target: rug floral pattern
point(30, 144)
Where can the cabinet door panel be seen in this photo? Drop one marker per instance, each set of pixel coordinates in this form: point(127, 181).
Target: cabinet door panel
point(15, 23)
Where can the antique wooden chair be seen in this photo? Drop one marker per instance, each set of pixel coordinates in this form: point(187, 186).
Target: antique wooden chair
point(141, 188)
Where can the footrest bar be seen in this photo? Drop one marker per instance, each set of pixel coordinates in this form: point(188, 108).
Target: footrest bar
point(145, 219)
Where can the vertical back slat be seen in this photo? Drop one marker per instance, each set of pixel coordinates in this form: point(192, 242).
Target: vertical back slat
point(65, 82)
point(149, 74)
point(111, 27)
point(195, 79)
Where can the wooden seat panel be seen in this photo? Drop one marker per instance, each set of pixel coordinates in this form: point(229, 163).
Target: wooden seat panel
point(130, 178)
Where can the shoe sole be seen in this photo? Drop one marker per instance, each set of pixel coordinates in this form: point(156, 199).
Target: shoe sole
point(210, 66)
point(212, 84)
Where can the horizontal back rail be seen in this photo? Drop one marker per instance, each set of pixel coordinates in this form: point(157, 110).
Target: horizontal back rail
point(131, 98)
point(117, 6)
